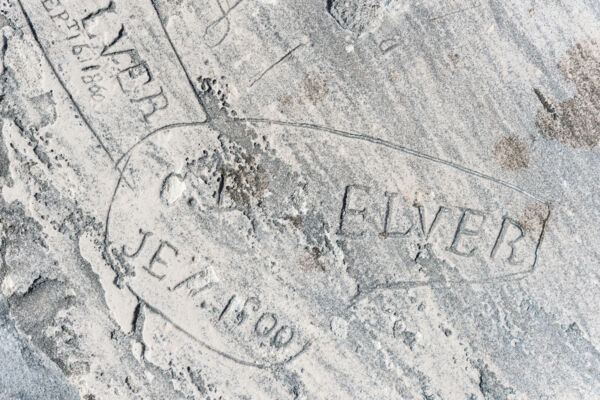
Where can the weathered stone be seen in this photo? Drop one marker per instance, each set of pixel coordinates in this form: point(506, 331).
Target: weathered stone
point(345, 199)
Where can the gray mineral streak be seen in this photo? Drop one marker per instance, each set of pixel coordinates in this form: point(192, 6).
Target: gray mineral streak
point(299, 199)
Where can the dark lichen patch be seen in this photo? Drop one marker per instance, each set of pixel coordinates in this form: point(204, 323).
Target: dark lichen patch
point(354, 15)
point(40, 296)
point(533, 217)
point(313, 88)
point(197, 380)
point(245, 182)
point(511, 153)
point(241, 176)
point(575, 122)
point(251, 177)
point(295, 220)
point(284, 101)
point(20, 232)
point(490, 386)
point(312, 260)
point(394, 76)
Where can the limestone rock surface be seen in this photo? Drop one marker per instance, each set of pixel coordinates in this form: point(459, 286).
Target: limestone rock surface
point(299, 199)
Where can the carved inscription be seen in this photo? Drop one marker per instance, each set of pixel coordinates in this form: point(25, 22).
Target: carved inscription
point(181, 208)
point(123, 85)
point(458, 232)
point(218, 29)
point(162, 229)
point(264, 325)
point(190, 283)
point(135, 78)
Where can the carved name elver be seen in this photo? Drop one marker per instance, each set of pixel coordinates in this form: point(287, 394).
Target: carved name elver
point(123, 85)
point(460, 231)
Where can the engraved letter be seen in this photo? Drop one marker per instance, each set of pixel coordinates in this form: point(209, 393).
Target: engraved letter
point(389, 216)
point(263, 327)
point(153, 105)
point(242, 315)
point(144, 236)
point(506, 224)
point(227, 306)
point(136, 76)
point(464, 230)
point(74, 24)
point(156, 259)
point(349, 199)
point(78, 48)
point(45, 2)
point(130, 52)
point(63, 16)
point(434, 223)
point(278, 340)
